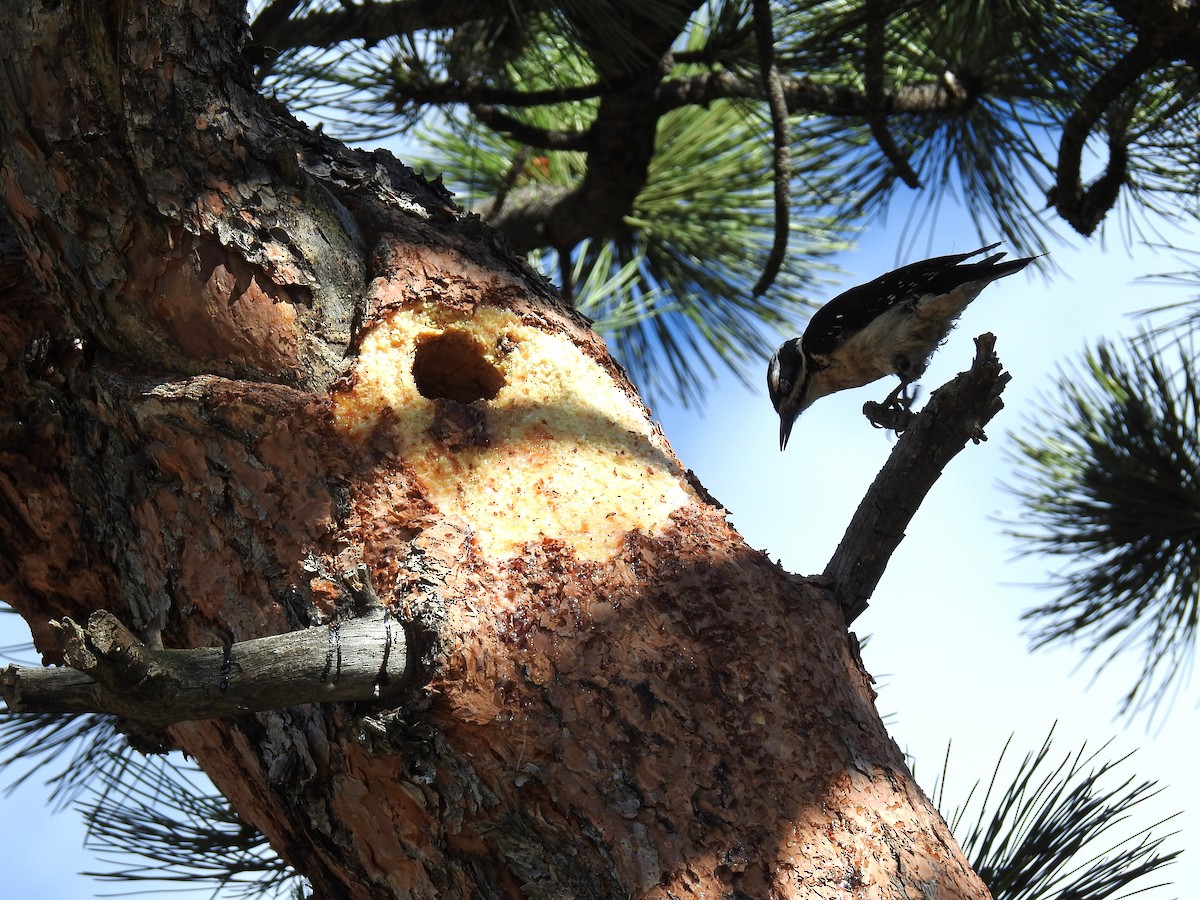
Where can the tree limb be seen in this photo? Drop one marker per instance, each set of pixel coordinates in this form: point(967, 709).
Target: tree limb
point(1084, 208)
point(112, 671)
point(273, 17)
point(370, 22)
point(874, 71)
point(545, 139)
point(802, 94)
point(956, 413)
point(773, 90)
point(474, 90)
point(1171, 27)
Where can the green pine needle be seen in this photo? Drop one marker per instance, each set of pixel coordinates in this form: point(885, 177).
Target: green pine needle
point(1060, 830)
point(1110, 482)
point(166, 817)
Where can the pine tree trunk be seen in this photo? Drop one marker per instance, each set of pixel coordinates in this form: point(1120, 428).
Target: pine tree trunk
point(238, 358)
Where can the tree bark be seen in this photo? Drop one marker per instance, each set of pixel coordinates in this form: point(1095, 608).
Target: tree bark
point(239, 357)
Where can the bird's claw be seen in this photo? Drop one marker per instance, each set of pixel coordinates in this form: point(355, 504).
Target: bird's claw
point(895, 412)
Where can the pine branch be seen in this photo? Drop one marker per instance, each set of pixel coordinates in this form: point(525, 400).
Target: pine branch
point(781, 158)
point(804, 95)
point(1054, 831)
point(956, 413)
point(369, 22)
point(1084, 208)
point(159, 820)
point(543, 138)
point(474, 91)
point(112, 671)
point(1110, 486)
point(1170, 26)
point(65, 752)
point(874, 59)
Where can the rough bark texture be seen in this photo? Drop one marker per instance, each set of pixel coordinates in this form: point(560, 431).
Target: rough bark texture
point(956, 414)
point(237, 358)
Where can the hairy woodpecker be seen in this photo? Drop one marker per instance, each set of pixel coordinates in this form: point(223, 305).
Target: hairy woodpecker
point(889, 326)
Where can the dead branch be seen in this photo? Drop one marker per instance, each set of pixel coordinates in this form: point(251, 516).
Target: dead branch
point(111, 671)
point(956, 413)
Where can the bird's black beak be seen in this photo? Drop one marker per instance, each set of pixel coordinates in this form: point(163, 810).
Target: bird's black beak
point(785, 429)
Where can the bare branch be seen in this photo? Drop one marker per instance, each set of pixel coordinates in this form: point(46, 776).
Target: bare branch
point(956, 413)
point(531, 135)
point(773, 89)
point(804, 95)
point(1084, 208)
point(874, 69)
point(370, 22)
point(112, 671)
point(473, 90)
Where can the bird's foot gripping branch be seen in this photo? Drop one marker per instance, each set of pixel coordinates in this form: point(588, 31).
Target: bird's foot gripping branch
point(890, 326)
point(956, 413)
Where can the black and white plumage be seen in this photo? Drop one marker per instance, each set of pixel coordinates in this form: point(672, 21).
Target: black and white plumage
point(889, 326)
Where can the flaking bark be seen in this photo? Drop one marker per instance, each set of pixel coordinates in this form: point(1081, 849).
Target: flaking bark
point(209, 401)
